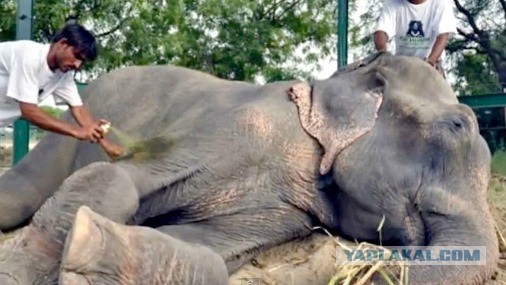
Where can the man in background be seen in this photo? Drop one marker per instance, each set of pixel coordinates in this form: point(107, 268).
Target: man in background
point(420, 28)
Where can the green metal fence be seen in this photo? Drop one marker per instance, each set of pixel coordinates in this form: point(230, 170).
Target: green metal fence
point(490, 110)
point(7, 143)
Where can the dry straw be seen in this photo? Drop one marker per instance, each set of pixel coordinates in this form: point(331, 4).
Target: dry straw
point(395, 273)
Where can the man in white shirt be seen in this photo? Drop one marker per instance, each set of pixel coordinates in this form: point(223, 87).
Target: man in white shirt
point(31, 71)
point(421, 28)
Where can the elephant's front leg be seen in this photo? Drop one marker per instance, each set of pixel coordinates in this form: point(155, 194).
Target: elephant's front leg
point(202, 252)
point(100, 251)
point(33, 255)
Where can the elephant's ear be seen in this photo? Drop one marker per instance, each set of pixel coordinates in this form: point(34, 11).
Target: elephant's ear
point(339, 110)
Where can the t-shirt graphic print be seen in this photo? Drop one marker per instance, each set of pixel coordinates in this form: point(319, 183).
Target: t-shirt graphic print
point(414, 39)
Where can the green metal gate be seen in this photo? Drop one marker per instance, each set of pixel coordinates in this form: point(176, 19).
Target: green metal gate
point(23, 32)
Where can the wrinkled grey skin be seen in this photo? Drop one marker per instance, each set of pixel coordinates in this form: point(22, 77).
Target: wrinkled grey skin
point(229, 169)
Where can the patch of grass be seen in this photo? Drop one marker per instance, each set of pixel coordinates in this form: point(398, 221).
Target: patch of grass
point(499, 162)
point(497, 196)
point(497, 201)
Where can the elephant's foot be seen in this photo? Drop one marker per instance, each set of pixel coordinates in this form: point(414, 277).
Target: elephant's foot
point(100, 251)
point(28, 257)
point(89, 244)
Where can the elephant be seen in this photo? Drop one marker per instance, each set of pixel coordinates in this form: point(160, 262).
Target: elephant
point(217, 171)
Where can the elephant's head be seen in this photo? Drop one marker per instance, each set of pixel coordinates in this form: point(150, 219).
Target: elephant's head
point(417, 162)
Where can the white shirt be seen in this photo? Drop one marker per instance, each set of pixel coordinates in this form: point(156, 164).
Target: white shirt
point(25, 77)
point(416, 26)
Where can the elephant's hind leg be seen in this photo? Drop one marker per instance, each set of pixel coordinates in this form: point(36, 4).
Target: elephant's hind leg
point(100, 251)
point(33, 256)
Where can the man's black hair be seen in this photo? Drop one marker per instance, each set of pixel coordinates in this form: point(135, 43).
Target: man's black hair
point(80, 38)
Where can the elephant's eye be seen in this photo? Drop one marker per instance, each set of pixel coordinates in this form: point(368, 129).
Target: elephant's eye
point(455, 124)
point(452, 131)
point(436, 213)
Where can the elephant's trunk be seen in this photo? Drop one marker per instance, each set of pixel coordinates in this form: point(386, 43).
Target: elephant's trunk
point(447, 231)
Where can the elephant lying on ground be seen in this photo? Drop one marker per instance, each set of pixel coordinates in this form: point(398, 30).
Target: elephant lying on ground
point(228, 169)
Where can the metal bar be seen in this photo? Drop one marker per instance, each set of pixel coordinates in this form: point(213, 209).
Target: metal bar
point(342, 33)
point(21, 126)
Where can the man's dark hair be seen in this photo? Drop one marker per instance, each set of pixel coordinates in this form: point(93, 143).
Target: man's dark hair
point(81, 39)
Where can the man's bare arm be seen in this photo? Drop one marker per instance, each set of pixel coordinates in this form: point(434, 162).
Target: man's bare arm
point(437, 49)
point(81, 115)
point(33, 114)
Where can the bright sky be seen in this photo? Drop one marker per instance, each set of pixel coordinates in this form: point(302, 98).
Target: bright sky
point(329, 65)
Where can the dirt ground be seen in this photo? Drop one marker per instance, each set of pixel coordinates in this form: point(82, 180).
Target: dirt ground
point(312, 261)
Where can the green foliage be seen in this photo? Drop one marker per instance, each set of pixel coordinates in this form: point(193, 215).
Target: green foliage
point(233, 39)
point(475, 75)
point(7, 20)
point(361, 28)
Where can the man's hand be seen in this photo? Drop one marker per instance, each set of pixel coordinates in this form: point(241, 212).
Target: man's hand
point(437, 50)
point(88, 124)
point(33, 114)
point(431, 62)
point(380, 41)
point(92, 133)
point(112, 150)
point(84, 118)
point(435, 64)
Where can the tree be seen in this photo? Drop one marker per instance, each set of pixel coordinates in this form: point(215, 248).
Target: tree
point(233, 39)
point(479, 51)
point(7, 20)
